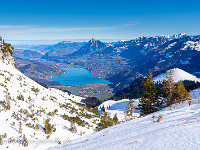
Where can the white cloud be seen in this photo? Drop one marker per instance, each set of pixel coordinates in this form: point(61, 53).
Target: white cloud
point(36, 32)
point(3, 27)
point(131, 24)
point(11, 29)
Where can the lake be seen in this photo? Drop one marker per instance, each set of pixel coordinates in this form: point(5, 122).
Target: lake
point(78, 76)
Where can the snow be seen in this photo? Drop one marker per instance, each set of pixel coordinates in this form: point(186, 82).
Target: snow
point(178, 74)
point(191, 45)
point(179, 129)
point(26, 95)
point(117, 107)
point(171, 45)
point(195, 94)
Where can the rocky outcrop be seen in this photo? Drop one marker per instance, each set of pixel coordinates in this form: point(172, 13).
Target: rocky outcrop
point(6, 53)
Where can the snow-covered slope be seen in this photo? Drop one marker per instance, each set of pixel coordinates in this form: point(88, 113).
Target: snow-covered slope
point(178, 74)
point(178, 129)
point(117, 107)
point(25, 106)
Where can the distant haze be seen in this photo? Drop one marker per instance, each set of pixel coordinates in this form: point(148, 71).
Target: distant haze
point(49, 42)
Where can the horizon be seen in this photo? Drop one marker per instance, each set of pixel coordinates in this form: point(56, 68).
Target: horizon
point(55, 41)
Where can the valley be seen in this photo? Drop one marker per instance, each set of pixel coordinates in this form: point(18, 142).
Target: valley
point(100, 91)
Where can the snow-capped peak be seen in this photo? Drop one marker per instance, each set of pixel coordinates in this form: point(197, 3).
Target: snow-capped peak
point(178, 75)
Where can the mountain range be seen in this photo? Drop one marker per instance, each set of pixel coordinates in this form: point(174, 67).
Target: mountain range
point(124, 61)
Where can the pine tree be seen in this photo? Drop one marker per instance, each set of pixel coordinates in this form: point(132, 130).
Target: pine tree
point(73, 127)
point(103, 109)
point(115, 119)
point(106, 121)
point(130, 109)
point(97, 111)
point(180, 94)
point(149, 102)
point(24, 141)
point(169, 89)
point(20, 127)
point(48, 127)
point(1, 140)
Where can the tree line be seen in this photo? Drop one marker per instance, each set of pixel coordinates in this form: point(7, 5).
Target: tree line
point(151, 100)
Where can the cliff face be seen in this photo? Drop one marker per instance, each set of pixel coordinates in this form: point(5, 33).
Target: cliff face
point(6, 53)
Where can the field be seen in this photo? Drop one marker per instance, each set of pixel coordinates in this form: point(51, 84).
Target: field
point(101, 91)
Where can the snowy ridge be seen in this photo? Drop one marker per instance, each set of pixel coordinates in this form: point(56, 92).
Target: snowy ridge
point(191, 45)
point(178, 75)
point(25, 102)
point(178, 129)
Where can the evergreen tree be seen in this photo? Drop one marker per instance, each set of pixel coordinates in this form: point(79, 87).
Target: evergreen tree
point(48, 127)
point(169, 89)
point(103, 109)
point(130, 109)
point(149, 102)
point(1, 140)
point(20, 127)
point(96, 111)
point(115, 119)
point(73, 127)
point(105, 122)
point(24, 141)
point(180, 93)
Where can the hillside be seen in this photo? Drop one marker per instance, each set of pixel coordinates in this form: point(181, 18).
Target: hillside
point(178, 74)
point(178, 129)
point(30, 112)
point(61, 49)
point(190, 81)
point(39, 70)
point(27, 54)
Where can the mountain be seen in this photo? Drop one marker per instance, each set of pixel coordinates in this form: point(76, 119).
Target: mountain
point(32, 114)
point(157, 54)
point(91, 47)
point(27, 54)
point(61, 49)
point(178, 128)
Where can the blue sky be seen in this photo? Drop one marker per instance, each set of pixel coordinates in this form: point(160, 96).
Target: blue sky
point(100, 19)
